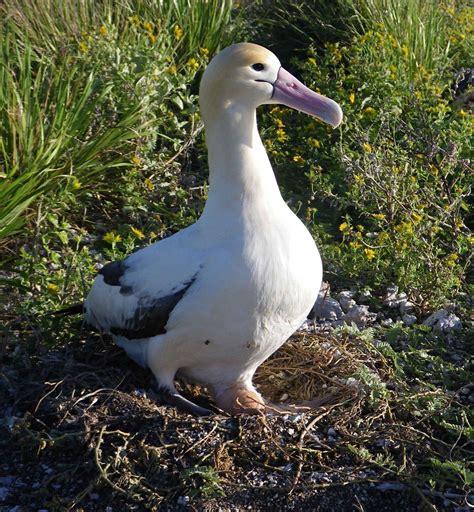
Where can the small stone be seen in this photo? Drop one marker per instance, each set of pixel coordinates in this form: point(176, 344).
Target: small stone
point(443, 321)
point(386, 322)
point(360, 315)
point(406, 307)
point(365, 296)
point(183, 500)
point(327, 308)
point(284, 397)
point(409, 320)
point(345, 300)
point(390, 294)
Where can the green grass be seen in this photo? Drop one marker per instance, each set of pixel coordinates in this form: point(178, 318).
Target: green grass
point(82, 84)
point(419, 29)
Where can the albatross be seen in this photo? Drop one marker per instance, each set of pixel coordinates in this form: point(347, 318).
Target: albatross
point(215, 300)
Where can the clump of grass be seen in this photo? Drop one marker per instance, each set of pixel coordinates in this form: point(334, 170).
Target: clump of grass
point(419, 29)
point(50, 138)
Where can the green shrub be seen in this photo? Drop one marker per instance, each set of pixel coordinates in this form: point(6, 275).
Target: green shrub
point(387, 194)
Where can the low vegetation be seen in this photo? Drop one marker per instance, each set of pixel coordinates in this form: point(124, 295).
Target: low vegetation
point(102, 151)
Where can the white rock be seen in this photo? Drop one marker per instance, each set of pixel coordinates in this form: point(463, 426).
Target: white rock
point(406, 307)
point(409, 319)
point(365, 297)
point(345, 300)
point(443, 321)
point(360, 315)
point(327, 308)
point(391, 294)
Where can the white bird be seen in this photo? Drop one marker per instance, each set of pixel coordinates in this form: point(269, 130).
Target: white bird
point(215, 300)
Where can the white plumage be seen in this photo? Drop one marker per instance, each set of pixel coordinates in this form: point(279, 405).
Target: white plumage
point(215, 300)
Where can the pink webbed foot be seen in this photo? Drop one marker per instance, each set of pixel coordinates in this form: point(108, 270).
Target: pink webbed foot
point(241, 400)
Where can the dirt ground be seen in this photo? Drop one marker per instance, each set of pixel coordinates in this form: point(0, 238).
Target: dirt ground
point(81, 429)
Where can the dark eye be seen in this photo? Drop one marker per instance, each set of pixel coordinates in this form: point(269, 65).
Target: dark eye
point(258, 66)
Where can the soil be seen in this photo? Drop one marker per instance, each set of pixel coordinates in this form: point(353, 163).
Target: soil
point(81, 429)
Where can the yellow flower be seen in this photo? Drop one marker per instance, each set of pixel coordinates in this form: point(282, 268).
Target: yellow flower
point(178, 32)
point(204, 51)
point(53, 288)
point(151, 38)
point(352, 97)
point(451, 259)
point(193, 63)
point(298, 159)
point(103, 30)
point(366, 147)
point(172, 69)
point(382, 237)
point(281, 135)
point(404, 50)
point(378, 216)
point(359, 179)
point(135, 20)
point(83, 47)
point(312, 61)
point(369, 111)
point(149, 184)
point(344, 227)
point(404, 228)
point(148, 26)
point(355, 245)
point(112, 237)
point(76, 184)
point(369, 253)
point(139, 234)
point(279, 123)
point(417, 218)
point(136, 160)
point(315, 143)
point(462, 113)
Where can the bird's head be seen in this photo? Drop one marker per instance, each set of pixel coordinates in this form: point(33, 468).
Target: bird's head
point(248, 75)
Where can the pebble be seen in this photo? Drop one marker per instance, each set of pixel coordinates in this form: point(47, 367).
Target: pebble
point(360, 315)
point(409, 320)
point(443, 321)
point(183, 500)
point(327, 308)
point(365, 297)
point(346, 300)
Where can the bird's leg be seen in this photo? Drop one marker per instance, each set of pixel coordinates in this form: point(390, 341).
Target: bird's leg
point(172, 397)
point(240, 399)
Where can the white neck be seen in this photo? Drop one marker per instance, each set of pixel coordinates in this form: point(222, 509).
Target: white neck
point(240, 173)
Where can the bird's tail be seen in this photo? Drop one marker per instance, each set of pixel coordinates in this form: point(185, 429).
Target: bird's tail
point(75, 309)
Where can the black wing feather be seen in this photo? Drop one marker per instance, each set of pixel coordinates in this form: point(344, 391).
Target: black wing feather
point(151, 315)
